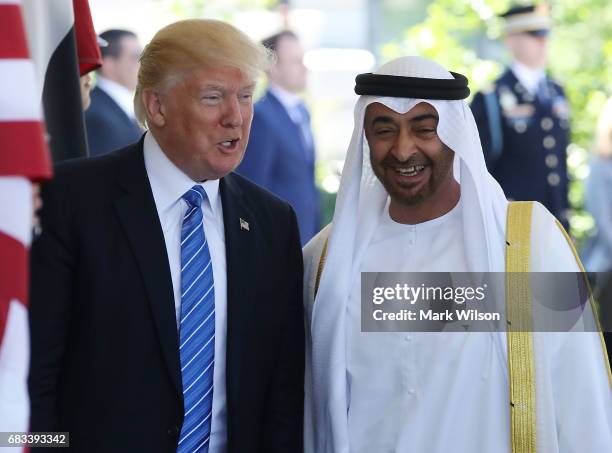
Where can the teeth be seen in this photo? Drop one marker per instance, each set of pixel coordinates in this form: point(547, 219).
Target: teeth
point(410, 171)
point(227, 143)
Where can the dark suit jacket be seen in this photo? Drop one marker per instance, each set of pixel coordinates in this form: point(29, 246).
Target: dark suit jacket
point(278, 159)
point(531, 164)
point(105, 361)
point(108, 127)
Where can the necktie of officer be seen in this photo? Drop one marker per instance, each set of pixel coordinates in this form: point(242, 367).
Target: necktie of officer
point(197, 327)
point(304, 124)
point(543, 93)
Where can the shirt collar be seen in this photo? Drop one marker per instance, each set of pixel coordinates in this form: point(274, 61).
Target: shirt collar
point(529, 78)
point(168, 182)
point(288, 99)
point(120, 94)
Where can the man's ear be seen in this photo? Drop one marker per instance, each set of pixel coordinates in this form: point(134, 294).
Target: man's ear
point(154, 108)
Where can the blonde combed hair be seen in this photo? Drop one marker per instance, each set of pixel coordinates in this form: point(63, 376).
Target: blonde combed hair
point(195, 43)
point(603, 136)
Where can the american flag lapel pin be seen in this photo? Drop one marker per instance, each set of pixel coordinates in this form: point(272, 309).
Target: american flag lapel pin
point(244, 225)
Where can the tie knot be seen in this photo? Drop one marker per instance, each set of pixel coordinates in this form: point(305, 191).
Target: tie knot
point(195, 196)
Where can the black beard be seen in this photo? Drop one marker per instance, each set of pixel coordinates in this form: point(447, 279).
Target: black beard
point(401, 199)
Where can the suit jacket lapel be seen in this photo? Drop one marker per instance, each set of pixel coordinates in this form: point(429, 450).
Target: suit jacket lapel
point(240, 245)
point(138, 215)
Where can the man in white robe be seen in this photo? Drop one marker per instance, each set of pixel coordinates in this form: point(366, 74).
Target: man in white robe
point(416, 196)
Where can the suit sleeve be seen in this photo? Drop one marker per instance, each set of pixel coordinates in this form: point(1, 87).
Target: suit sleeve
point(565, 188)
point(479, 109)
point(258, 162)
point(564, 170)
point(597, 201)
point(100, 138)
point(283, 427)
point(51, 280)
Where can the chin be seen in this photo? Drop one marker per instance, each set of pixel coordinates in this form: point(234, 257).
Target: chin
point(216, 174)
point(399, 196)
point(219, 171)
point(220, 165)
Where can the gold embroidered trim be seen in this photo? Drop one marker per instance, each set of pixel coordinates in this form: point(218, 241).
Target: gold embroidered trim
point(320, 267)
point(521, 365)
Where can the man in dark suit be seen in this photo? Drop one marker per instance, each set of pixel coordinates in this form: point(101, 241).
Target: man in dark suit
point(280, 155)
point(110, 119)
point(166, 294)
point(523, 120)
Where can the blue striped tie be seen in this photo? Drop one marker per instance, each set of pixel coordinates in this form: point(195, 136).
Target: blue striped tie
point(197, 328)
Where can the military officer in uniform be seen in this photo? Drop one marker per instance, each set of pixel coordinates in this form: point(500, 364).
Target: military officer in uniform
point(523, 120)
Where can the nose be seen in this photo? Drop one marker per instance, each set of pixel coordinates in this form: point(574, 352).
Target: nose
point(232, 114)
point(404, 147)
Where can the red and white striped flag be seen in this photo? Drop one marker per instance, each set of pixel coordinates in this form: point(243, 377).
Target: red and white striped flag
point(24, 158)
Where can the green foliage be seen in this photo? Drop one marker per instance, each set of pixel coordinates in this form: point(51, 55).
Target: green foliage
point(448, 36)
point(218, 9)
point(581, 49)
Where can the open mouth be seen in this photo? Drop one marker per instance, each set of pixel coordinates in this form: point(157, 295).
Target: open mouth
point(229, 145)
point(411, 171)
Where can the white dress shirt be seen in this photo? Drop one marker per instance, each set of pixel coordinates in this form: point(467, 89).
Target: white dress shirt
point(289, 101)
point(120, 94)
point(168, 184)
point(422, 392)
point(529, 78)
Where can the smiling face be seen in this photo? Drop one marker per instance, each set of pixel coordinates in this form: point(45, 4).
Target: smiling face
point(411, 161)
point(202, 122)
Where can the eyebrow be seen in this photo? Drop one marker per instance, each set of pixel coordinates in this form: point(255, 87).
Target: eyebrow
point(382, 119)
point(388, 120)
point(426, 116)
point(224, 89)
point(212, 87)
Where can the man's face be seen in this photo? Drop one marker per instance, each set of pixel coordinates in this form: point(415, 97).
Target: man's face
point(407, 155)
point(528, 49)
point(124, 68)
point(289, 71)
point(205, 121)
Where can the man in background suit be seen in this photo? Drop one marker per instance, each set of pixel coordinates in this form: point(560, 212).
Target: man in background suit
point(523, 120)
point(110, 120)
point(281, 155)
point(166, 294)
